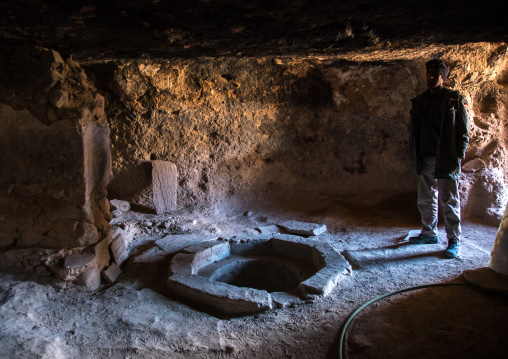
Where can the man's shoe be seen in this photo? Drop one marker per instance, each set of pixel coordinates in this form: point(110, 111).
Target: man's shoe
point(423, 239)
point(453, 249)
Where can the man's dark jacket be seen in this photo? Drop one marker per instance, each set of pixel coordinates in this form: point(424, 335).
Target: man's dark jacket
point(454, 137)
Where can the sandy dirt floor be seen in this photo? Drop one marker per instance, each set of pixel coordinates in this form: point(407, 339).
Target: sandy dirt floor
point(134, 318)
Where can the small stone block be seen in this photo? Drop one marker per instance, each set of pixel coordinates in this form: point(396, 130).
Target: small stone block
point(111, 274)
point(118, 250)
point(303, 228)
point(78, 260)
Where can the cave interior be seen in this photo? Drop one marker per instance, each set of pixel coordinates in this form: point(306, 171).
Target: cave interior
point(130, 130)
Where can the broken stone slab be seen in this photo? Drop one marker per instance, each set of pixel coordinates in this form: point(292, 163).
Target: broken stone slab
point(111, 274)
point(165, 184)
point(473, 166)
point(268, 230)
point(118, 250)
point(303, 228)
point(78, 260)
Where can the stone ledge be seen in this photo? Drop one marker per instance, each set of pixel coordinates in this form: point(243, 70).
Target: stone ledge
point(220, 297)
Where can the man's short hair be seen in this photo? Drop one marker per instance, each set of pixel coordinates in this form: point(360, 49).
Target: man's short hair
point(440, 66)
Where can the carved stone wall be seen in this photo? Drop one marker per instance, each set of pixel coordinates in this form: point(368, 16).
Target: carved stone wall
point(246, 131)
point(54, 152)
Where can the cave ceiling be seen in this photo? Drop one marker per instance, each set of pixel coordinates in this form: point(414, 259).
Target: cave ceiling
point(101, 30)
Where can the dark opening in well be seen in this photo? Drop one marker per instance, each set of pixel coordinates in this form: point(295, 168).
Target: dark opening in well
point(269, 275)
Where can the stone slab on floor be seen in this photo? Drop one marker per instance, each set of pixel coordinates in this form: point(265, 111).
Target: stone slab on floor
point(220, 297)
point(111, 274)
point(78, 260)
point(303, 228)
point(152, 255)
point(165, 184)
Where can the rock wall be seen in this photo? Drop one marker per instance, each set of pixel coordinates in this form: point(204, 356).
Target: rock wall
point(54, 152)
point(245, 131)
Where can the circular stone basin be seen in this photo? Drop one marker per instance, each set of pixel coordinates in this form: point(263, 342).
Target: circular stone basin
point(243, 277)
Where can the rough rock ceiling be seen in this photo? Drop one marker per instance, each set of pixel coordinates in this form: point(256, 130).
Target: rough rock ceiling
point(95, 30)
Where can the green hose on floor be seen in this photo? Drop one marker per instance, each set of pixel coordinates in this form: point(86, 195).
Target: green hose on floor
point(342, 349)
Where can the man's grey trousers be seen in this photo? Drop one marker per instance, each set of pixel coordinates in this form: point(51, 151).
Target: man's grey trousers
point(429, 190)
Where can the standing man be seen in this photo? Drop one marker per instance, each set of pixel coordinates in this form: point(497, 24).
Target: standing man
point(438, 140)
